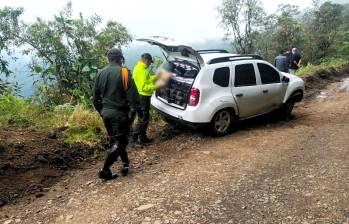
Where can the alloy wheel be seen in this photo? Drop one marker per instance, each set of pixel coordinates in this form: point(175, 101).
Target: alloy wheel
point(222, 121)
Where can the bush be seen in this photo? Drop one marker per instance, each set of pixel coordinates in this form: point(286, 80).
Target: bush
point(79, 123)
point(327, 64)
point(17, 112)
point(84, 126)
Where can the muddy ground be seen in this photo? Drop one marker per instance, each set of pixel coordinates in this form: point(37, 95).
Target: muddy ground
point(267, 171)
point(31, 162)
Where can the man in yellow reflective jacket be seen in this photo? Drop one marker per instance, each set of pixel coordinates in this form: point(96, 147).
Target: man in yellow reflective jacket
point(145, 83)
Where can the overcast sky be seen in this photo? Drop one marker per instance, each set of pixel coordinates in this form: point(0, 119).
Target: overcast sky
point(186, 20)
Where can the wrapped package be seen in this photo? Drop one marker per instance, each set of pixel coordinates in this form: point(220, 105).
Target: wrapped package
point(163, 77)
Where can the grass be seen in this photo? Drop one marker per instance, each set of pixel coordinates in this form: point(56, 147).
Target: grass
point(17, 112)
point(84, 126)
point(328, 64)
point(79, 124)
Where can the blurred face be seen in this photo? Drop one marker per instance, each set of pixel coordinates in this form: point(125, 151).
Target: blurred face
point(147, 62)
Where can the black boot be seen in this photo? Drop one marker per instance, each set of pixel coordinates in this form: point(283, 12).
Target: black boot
point(112, 156)
point(146, 140)
point(105, 174)
point(143, 139)
point(136, 143)
point(125, 169)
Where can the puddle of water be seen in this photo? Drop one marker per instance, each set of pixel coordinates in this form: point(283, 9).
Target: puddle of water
point(345, 85)
point(333, 89)
point(322, 96)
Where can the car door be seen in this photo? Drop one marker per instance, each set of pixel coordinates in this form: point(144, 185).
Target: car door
point(272, 88)
point(246, 91)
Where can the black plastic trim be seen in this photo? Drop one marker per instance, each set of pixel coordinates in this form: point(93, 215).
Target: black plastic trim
point(182, 122)
point(235, 58)
point(207, 51)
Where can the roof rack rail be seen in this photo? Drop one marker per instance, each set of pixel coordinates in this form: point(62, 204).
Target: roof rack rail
point(235, 58)
point(206, 51)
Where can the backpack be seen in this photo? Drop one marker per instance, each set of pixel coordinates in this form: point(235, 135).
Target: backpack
point(124, 78)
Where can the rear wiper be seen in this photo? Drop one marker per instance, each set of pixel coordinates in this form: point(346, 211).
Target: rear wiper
point(163, 53)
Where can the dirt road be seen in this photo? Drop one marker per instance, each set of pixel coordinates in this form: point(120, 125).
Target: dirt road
point(294, 171)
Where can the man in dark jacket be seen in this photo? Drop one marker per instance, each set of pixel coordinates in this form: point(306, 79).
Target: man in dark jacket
point(295, 61)
point(281, 62)
point(114, 94)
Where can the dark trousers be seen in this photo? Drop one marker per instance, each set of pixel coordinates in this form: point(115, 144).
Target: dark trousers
point(117, 124)
point(140, 129)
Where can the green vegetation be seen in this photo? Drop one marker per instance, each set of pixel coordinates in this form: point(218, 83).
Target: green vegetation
point(319, 32)
point(66, 52)
point(84, 125)
point(17, 112)
point(73, 123)
point(328, 65)
point(9, 29)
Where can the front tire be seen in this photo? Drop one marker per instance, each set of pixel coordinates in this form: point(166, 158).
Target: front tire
point(286, 109)
point(221, 123)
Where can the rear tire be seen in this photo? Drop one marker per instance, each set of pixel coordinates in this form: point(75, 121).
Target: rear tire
point(221, 123)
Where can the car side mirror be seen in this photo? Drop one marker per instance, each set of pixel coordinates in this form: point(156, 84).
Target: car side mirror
point(285, 79)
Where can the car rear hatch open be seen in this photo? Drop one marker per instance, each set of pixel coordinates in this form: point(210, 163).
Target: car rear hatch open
point(186, 63)
point(174, 50)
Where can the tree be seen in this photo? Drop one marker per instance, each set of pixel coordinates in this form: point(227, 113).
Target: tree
point(279, 32)
point(242, 20)
point(288, 29)
point(265, 37)
point(67, 53)
point(9, 29)
point(342, 39)
point(322, 25)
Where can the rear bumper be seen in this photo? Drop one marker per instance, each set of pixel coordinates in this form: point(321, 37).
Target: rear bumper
point(181, 121)
point(196, 115)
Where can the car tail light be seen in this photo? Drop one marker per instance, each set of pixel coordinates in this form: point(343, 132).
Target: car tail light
point(194, 97)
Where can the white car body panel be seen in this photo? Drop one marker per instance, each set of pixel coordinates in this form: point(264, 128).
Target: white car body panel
point(213, 96)
point(294, 85)
point(275, 91)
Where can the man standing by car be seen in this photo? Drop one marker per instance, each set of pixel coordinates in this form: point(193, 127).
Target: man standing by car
point(145, 82)
point(281, 62)
point(114, 94)
point(295, 61)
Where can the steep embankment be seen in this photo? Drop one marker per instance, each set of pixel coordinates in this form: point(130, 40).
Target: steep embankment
point(31, 161)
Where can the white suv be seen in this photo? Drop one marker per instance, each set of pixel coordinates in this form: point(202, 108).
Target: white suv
point(213, 88)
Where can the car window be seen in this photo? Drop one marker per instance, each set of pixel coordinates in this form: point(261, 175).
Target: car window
point(221, 76)
point(245, 75)
point(268, 74)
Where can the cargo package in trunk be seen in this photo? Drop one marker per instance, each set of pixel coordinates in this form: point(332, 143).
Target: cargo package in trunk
point(178, 87)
